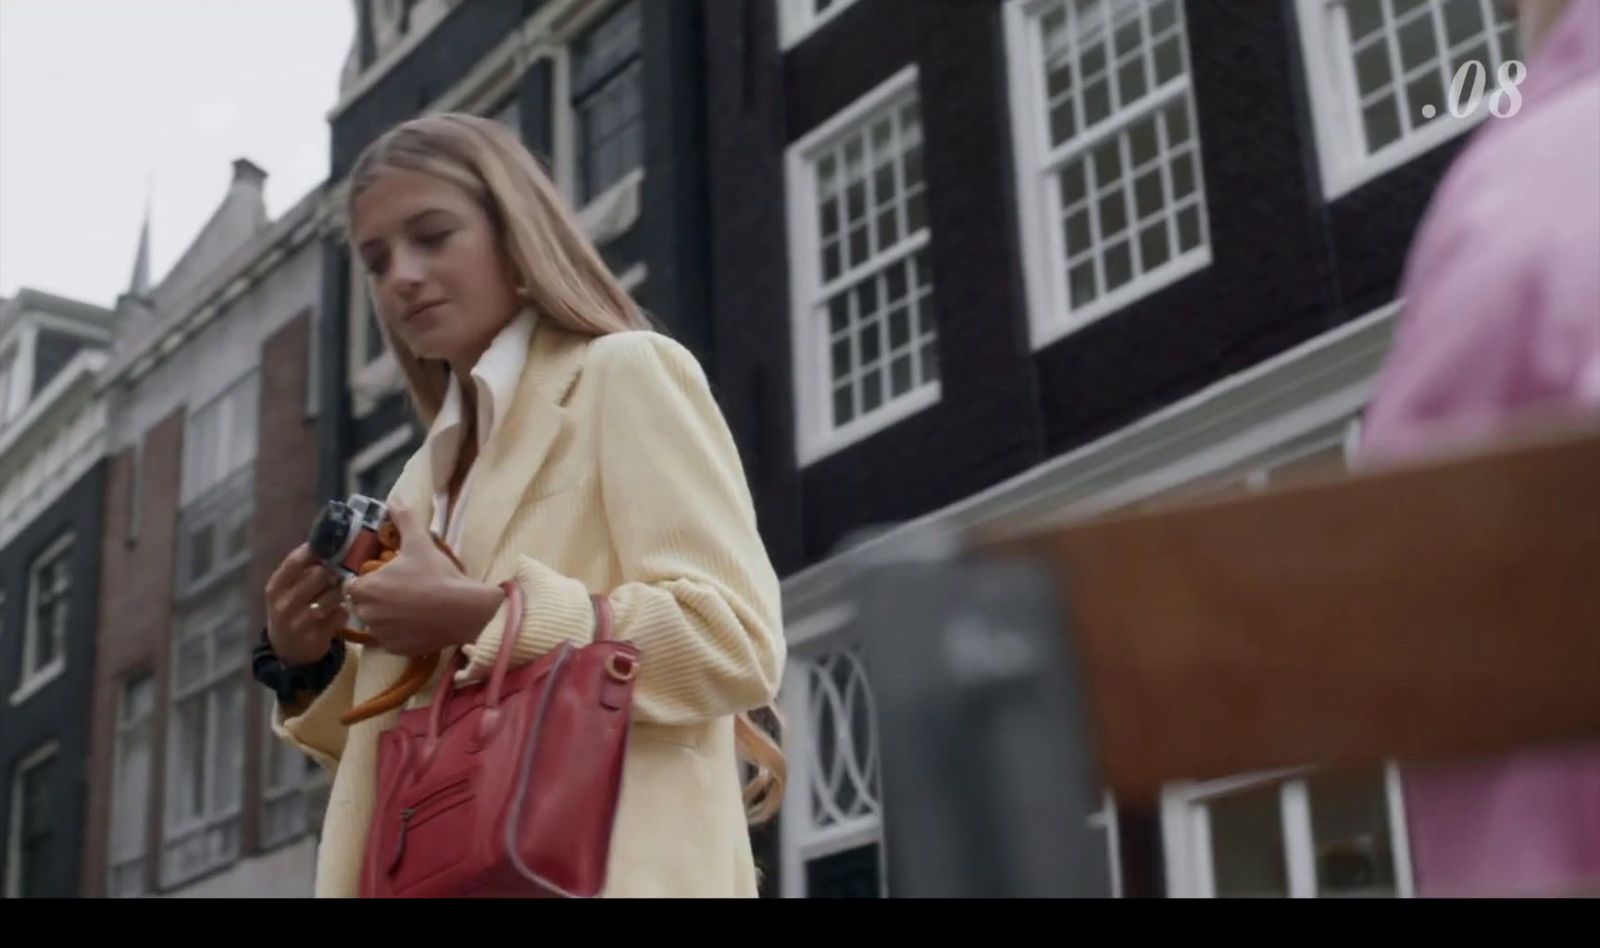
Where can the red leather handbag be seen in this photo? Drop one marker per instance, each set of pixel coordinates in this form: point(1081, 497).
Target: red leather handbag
point(507, 788)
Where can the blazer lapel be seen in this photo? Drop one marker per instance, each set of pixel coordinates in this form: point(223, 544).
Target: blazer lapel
point(510, 462)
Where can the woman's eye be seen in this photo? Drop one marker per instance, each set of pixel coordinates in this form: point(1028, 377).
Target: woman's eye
point(376, 267)
point(434, 239)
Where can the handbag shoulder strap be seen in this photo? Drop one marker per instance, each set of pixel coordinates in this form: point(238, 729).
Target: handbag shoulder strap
point(602, 618)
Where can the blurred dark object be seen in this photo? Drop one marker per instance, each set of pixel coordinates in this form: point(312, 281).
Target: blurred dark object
point(988, 783)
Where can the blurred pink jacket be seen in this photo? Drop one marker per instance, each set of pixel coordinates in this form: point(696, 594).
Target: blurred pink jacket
point(1501, 319)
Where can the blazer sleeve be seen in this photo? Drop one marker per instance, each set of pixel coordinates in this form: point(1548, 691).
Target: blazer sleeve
point(313, 726)
point(699, 597)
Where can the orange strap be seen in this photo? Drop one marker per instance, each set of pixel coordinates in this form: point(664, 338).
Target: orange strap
point(421, 667)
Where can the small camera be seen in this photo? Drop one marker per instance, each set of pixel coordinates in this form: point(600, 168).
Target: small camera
point(347, 534)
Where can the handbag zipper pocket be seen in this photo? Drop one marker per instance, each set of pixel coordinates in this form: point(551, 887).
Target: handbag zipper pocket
point(423, 810)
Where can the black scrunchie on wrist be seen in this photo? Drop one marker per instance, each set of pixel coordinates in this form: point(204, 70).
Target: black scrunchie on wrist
point(289, 683)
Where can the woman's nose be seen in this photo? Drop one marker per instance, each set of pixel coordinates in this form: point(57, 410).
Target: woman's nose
point(405, 274)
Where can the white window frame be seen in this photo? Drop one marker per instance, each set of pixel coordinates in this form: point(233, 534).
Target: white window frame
point(10, 383)
point(1186, 831)
point(816, 434)
point(176, 831)
point(120, 778)
point(1331, 83)
point(247, 387)
point(798, 19)
point(1050, 314)
point(374, 454)
point(289, 792)
point(33, 761)
point(35, 677)
point(369, 381)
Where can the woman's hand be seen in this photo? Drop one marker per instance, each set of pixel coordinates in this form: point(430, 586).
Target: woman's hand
point(419, 603)
point(302, 608)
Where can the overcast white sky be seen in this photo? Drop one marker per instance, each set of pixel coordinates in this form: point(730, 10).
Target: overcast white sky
point(98, 98)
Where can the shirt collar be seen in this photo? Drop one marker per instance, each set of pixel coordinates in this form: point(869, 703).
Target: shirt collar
point(494, 379)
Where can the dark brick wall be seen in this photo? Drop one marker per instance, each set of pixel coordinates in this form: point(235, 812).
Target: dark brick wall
point(466, 36)
point(60, 710)
point(135, 619)
point(1287, 265)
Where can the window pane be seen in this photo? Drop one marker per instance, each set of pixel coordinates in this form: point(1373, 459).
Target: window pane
point(1188, 228)
point(34, 842)
point(1463, 20)
point(1153, 249)
point(1119, 265)
point(1096, 102)
point(1078, 235)
point(1083, 283)
point(1350, 835)
point(1382, 123)
point(1419, 44)
point(228, 752)
point(1113, 213)
point(843, 405)
point(1373, 70)
point(1247, 848)
point(1422, 93)
point(186, 776)
point(872, 390)
point(1366, 18)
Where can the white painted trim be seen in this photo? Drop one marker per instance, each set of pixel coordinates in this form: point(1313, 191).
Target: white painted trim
point(1399, 832)
point(373, 455)
point(34, 679)
point(26, 366)
point(634, 277)
point(14, 823)
point(1331, 84)
point(794, 818)
point(796, 21)
point(816, 438)
point(79, 444)
point(115, 860)
point(1294, 807)
point(615, 210)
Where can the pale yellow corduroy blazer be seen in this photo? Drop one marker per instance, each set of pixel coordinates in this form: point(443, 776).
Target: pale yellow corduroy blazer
point(614, 472)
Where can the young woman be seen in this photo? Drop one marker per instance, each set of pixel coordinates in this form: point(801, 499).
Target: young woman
point(572, 450)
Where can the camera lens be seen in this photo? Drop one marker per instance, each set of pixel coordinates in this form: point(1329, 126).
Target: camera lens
point(330, 529)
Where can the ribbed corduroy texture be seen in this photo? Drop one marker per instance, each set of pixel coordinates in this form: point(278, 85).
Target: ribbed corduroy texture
point(641, 496)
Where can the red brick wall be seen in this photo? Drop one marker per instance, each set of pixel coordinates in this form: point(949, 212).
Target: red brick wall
point(285, 501)
point(135, 619)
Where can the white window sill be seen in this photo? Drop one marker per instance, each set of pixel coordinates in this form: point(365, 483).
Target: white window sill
point(36, 682)
point(615, 211)
point(373, 381)
point(865, 426)
point(1057, 325)
point(794, 26)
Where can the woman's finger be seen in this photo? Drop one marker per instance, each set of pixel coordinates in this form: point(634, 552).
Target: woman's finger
point(290, 569)
point(311, 586)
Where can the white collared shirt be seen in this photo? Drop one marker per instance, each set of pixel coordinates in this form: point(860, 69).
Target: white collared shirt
point(495, 379)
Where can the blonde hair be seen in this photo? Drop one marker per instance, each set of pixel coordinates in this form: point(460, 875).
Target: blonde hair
point(558, 271)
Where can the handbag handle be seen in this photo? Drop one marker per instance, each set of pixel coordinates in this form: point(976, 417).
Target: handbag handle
point(502, 662)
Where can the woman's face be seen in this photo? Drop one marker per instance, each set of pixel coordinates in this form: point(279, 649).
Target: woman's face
point(435, 267)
